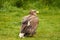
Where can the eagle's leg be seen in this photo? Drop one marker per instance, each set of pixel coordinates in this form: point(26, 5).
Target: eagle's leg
point(31, 34)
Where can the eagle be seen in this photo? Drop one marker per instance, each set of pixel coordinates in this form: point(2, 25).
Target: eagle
point(29, 24)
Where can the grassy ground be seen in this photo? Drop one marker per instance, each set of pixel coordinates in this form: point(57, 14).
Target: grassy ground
point(48, 28)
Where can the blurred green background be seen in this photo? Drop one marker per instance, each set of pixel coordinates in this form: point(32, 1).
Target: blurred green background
point(12, 12)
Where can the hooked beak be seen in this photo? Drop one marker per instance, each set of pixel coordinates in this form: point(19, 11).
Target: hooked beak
point(37, 11)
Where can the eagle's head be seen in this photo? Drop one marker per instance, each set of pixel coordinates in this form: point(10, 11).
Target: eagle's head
point(33, 12)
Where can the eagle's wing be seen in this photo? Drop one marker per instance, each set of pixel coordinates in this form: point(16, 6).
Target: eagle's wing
point(24, 23)
point(34, 22)
point(31, 23)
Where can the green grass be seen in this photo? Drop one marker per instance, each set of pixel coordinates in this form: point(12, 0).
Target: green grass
point(48, 28)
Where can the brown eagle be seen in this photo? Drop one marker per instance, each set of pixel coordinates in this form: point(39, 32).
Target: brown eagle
point(29, 24)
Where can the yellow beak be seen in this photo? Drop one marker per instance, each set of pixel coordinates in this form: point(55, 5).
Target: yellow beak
point(37, 11)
